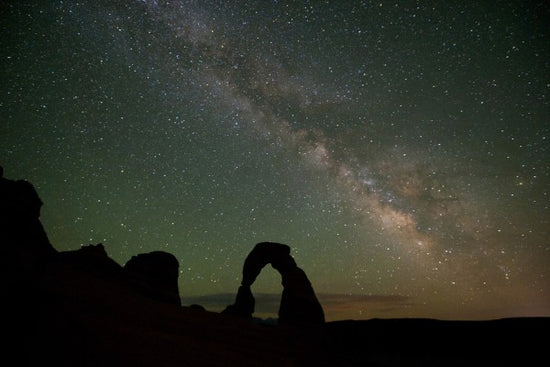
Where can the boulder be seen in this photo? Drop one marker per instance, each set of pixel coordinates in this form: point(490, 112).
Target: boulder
point(156, 274)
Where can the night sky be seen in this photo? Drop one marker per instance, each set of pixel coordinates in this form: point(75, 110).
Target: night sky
point(400, 148)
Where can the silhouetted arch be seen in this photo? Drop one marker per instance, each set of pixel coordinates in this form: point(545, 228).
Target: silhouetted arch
point(299, 304)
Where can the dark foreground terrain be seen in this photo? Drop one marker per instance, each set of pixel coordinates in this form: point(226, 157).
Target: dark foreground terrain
point(78, 318)
point(81, 308)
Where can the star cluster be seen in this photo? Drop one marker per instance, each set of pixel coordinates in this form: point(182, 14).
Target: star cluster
point(399, 148)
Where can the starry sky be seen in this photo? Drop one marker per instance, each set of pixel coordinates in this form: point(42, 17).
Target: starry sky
point(401, 148)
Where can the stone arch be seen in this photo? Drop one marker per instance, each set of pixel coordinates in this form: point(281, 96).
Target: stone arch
point(299, 304)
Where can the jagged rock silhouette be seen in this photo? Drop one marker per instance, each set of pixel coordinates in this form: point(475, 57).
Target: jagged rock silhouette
point(299, 304)
point(93, 259)
point(27, 250)
point(24, 240)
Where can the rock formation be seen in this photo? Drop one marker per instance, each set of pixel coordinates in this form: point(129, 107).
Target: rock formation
point(92, 259)
point(244, 303)
point(24, 241)
point(156, 274)
point(27, 251)
point(299, 304)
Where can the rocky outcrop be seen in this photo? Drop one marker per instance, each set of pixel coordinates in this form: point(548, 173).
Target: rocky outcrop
point(27, 251)
point(156, 274)
point(24, 241)
point(299, 304)
point(92, 259)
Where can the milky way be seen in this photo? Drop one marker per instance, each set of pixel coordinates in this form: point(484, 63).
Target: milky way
point(399, 148)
